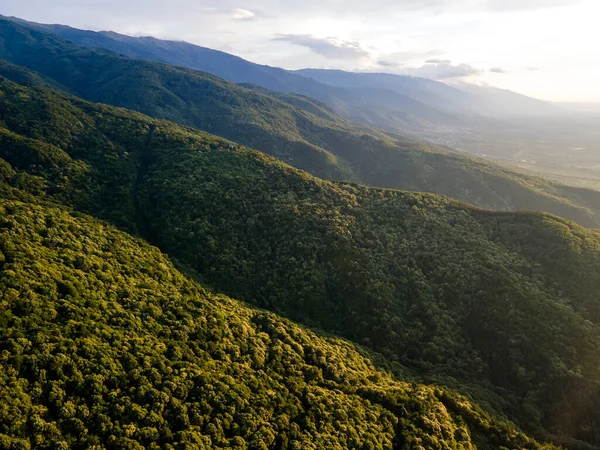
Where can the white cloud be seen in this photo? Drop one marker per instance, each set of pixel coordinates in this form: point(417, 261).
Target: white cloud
point(443, 70)
point(407, 57)
point(237, 14)
point(329, 47)
point(388, 63)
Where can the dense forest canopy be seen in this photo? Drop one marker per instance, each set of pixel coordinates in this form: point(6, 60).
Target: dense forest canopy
point(300, 132)
point(104, 344)
point(501, 306)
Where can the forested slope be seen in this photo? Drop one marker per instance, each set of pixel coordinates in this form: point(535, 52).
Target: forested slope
point(503, 306)
point(104, 344)
point(291, 128)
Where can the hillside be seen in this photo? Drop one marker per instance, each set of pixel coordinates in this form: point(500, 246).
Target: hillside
point(500, 306)
point(106, 345)
point(22, 75)
point(298, 131)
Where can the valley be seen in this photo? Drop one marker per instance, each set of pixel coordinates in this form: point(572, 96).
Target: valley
point(565, 148)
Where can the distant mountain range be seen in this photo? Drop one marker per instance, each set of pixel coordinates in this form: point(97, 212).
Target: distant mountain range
point(391, 102)
point(460, 98)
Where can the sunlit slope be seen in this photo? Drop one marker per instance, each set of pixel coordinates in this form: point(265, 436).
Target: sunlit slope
point(105, 344)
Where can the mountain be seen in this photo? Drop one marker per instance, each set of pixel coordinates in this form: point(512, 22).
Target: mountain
point(293, 128)
point(418, 102)
point(428, 91)
point(494, 101)
point(502, 307)
point(465, 98)
point(412, 110)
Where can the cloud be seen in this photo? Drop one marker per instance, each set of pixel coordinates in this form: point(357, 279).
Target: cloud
point(329, 47)
point(386, 63)
point(237, 14)
point(516, 5)
point(442, 71)
point(438, 61)
point(497, 70)
point(400, 59)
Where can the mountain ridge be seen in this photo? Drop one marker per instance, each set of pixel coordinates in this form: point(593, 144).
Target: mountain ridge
point(486, 101)
point(463, 99)
point(238, 70)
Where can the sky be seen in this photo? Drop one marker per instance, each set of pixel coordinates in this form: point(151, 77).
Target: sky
point(543, 48)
